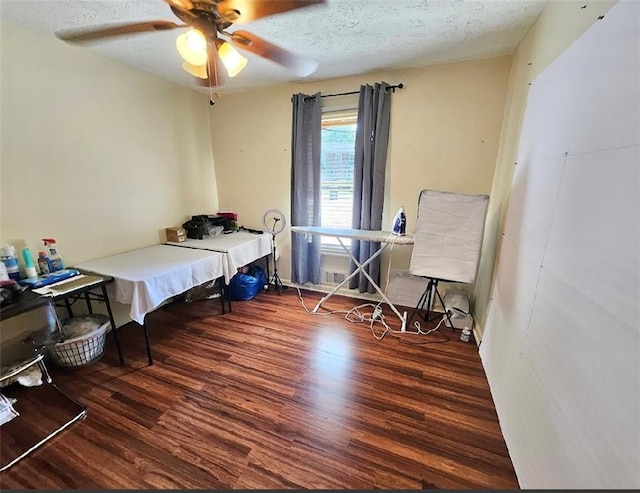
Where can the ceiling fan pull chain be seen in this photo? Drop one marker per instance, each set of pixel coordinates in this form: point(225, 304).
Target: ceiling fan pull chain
point(215, 69)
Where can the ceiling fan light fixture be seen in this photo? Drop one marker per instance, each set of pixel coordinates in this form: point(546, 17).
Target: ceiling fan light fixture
point(192, 46)
point(232, 59)
point(199, 71)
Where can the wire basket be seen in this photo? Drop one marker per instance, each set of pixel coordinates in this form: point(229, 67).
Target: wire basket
point(82, 350)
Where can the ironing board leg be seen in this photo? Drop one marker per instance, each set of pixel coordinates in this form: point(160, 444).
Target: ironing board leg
point(360, 269)
point(346, 279)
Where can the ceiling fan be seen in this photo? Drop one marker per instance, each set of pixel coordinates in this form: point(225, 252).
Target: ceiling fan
point(204, 48)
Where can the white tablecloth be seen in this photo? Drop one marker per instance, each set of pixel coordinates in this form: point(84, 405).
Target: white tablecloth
point(240, 248)
point(146, 277)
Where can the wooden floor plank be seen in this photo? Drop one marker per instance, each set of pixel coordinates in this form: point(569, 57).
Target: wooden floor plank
point(269, 396)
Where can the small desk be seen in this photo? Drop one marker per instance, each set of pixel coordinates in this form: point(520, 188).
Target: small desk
point(240, 248)
point(147, 277)
point(385, 238)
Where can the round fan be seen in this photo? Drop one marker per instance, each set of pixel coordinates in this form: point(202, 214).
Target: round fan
point(274, 221)
point(204, 48)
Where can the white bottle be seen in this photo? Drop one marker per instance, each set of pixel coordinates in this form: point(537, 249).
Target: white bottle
point(466, 334)
point(10, 261)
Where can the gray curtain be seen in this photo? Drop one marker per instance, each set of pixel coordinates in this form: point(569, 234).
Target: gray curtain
point(305, 186)
point(372, 138)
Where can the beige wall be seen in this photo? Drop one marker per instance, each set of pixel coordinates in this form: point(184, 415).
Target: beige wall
point(98, 155)
point(445, 128)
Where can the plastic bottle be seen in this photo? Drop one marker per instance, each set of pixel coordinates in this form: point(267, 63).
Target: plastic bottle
point(10, 261)
point(29, 267)
point(44, 263)
point(55, 259)
point(466, 334)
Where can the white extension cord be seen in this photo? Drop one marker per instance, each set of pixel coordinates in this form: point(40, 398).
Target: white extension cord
point(376, 317)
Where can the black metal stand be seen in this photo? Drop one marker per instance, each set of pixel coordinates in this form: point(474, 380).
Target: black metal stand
point(427, 299)
point(41, 331)
point(275, 280)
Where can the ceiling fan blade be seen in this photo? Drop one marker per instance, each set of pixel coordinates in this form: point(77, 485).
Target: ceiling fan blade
point(86, 35)
point(243, 11)
point(301, 66)
point(180, 4)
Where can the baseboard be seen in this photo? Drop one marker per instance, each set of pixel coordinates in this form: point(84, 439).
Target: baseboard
point(327, 288)
point(478, 331)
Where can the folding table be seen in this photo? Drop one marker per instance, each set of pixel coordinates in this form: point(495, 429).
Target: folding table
point(147, 277)
point(240, 248)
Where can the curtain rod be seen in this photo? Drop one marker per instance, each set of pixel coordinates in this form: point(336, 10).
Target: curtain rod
point(393, 89)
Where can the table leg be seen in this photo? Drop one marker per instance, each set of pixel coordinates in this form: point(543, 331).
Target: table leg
point(146, 339)
point(67, 304)
point(87, 300)
point(113, 324)
point(225, 295)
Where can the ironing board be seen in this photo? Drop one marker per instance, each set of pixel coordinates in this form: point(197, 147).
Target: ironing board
point(385, 238)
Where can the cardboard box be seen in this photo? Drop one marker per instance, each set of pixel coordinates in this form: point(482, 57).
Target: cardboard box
point(460, 322)
point(177, 235)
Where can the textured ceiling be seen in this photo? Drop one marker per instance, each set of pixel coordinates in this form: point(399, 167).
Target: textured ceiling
point(346, 37)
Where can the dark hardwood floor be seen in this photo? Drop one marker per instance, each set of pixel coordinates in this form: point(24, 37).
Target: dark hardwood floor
point(268, 396)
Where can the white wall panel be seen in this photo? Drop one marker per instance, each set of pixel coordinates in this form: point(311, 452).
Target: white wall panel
point(594, 243)
point(569, 265)
point(534, 194)
point(520, 268)
point(552, 119)
point(607, 100)
point(586, 364)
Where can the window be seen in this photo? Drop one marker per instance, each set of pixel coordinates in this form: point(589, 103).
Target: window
point(337, 157)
